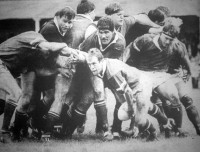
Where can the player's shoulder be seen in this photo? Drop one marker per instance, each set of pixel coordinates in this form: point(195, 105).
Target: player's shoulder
point(115, 64)
point(121, 40)
point(49, 26)
point(145, 39)
point(148, 36)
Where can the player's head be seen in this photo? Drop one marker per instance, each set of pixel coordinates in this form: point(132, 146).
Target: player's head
point(159, 14)
point(116, 12)
point(156, 16)
point(165, 10)
point(171, 30)
point(86, 7)
point(105, 28)
point(95, 61)
point(64, 18)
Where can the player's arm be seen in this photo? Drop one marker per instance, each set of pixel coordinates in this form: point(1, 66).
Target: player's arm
point(118, 50)
point(182, 51)
point(144, 20)
point(121, 86)
point(46, 47)
point(155, 30)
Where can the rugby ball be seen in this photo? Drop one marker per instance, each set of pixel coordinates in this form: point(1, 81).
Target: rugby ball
point(123, 112)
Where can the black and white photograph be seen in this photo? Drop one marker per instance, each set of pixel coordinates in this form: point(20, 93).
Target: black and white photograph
point(99, 75)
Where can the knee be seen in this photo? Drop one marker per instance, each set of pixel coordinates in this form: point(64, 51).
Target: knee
point(186, 101)
point(83, 106)
point(23, 103)
point(174, 100)
point(99, 95)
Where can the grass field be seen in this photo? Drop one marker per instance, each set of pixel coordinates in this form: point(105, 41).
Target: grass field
point(89, 142)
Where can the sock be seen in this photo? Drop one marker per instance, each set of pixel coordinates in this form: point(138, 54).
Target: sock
point(193, 116)
point(102, 112)
point(8, 113)
point(156, 112)
point(98, 128)
point(148, 126)
point(192, 112)
point(77, 118)
point(19, 122)
point(51, 120)
point(116, 127)
point(177, 115)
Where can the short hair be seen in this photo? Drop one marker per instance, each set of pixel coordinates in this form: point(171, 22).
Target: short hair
point(95, 52)
point(156, 15)
point(113, 8)
point(105, 23)
point(85, 7)
point(165, 10)
point(67, 11)
point(172, 26)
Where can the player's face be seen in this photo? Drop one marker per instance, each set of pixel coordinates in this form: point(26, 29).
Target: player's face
point(165, 40)
point(95, 65)
point(118, 18)
point(64, 23)
point(105, 36)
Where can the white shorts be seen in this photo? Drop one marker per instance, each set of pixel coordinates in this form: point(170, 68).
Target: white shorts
point(157, 78)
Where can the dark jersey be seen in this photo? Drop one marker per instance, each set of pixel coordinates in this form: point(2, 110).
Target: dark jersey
point(136, 31)
point(178, 59)
point(147, 55)
point(77, 32)
point(20, 52)
point(114, 50)
point(51, 33)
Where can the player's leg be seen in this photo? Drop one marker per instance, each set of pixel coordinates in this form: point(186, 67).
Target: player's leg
point(117, 124)
point(141, 119)
point(190, 108)
point(76, 115)
point(100, 105)
point(169, 92)
point(21, 116)
point(158, 102)
point(11, 92)
point(62, 87)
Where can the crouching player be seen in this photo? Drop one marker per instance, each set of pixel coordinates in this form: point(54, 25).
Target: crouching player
point(131, 85)
point(24, 54)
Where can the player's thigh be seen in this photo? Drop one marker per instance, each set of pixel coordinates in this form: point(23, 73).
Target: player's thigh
point(27, 84)
point(9, 89)
point(182, 88)
point(87, 98)
point(167, 90)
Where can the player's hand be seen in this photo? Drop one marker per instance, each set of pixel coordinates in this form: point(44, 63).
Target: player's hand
point(135, 132)
point(170, 124)
point(65, 72)
point(182, 73)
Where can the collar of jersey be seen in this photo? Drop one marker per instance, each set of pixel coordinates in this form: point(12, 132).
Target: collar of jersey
point(56, 22)
point(104, 69)
point(155, 41)
point(84, 16)
point(114, 41)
